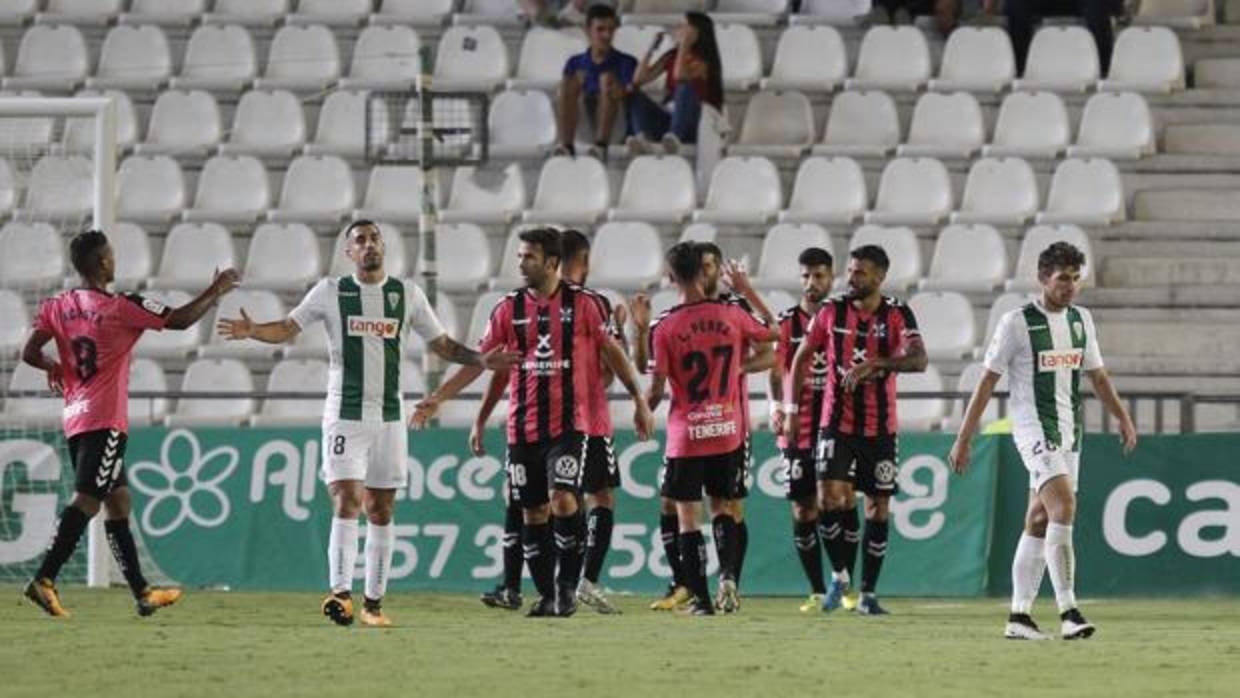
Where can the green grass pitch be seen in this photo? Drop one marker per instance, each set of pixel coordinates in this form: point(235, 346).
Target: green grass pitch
point(277, 644)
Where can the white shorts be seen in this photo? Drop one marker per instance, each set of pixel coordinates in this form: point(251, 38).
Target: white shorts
point(374, 452)
point(1044, 465)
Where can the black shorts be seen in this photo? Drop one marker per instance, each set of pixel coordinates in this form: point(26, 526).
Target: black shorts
point(98, 461)
point(536, 469)
point(721, 475)
point(602, 472)
point(799, 474)
point(870, 463)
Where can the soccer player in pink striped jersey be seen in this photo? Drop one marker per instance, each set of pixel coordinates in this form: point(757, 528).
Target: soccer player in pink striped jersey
point(95, 332)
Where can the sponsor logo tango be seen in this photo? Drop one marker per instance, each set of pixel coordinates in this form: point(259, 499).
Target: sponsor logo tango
point(1053, 360)
point(383, 328)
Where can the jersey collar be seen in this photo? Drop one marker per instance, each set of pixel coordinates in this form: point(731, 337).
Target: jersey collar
point(377, 284)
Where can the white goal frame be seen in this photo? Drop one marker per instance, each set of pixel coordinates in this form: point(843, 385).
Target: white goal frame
point(103, 110)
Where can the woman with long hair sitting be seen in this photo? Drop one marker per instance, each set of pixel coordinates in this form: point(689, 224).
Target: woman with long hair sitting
point(694, 77)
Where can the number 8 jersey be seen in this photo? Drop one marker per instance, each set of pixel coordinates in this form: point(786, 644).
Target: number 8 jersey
point(699, 348)
point(95, 333)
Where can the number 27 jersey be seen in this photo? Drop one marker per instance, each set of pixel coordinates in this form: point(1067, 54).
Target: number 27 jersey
point(699, 348)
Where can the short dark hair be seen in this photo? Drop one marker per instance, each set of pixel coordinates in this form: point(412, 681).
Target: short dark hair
point(872, 253)
point(85, 251)
point(572, 243)
point(598, 12)
point(359, 223)
point(547, 239)
point(710, 248)
point(684, 259)
point(815, 257)
point(1060, 255)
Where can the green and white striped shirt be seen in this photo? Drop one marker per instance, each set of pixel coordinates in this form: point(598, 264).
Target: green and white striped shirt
point(1043, 354)
point(367, 325)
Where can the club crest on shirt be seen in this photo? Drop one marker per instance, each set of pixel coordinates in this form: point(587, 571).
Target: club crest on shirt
point(1078, 330)
point(393, 298)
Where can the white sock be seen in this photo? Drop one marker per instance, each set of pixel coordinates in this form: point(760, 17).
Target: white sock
point(378, 559)
point(842, 575)
point(1028, 565)
point(342, 554)
point(1061, 561)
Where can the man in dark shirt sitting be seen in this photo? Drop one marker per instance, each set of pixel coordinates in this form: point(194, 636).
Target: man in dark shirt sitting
point(599, 79)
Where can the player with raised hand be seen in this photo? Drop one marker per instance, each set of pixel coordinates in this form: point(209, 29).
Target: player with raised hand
point(1043, 347)
point(95, 332)
point(368, 316)
point(869, 338)
point(700, 347)
point(560, 331)
point(806, 408)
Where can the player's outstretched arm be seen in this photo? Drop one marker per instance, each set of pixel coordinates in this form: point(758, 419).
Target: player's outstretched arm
point(738, 279)
point(277, 332)
point(495, 391)
point(618, 362)
point(185, 316)
point(654, 395)
point(796, 384)
point(33, 355)
point(451, 350)
point(775, 395)
point(958, 457)
point(641, 332)
point(426, 410)
point(1105, 390)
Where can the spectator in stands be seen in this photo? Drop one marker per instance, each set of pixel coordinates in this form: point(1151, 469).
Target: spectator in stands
point(557, 13)
point(694, 77)
point(1023, 14)
point(946, 12)
point(600, 79)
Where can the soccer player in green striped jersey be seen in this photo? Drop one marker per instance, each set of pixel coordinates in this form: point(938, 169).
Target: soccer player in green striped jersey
point(1043, 348)
point(368, 316)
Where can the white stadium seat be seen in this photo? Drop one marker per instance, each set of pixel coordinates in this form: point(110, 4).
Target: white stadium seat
point(88, 12)
point(256, 13)
point(570, 190)
point(1001, 305)
point(342, 13)
point(316, 189)
point(501, 13)
point(394, 259)
point(182, 124)
point(464, 255)
point(14, 323)
point(777, 125)
point(384, 57)
point(839, 12)
point(976, 59)
point(1189, 14)
point(341, 129)
point(663, 300)
point(192, 254)
point(903, 252)
point(231, 189)
point(740, 54)
point(485, 196)
point(970, 258)
point(294, 376)
point(521, 124)
point(759, 13)
point(393, 193)
point(34, 411)
point(149, 189)
point(1037, 239)
point(218, 58)
point(418, 13)
point(920, 414)
point(699, 232)
point(861, 124)
point(783, 243)
point(809, 59)
point(1115, 125)
point(969, 378)
point(892, 58)
point(301, 58)
point(282, 258)
point(543, 54)
point(656, 189)
point(165, 13)
point(214, 376)
point(626, 256)
point(17, 13)
point(51, 58)
point(827, 190)
point(1030, 125)
point(1145, 59)
point(31, 256)
point(146, 375)
point(134, 259)
point(9, 187)
point(60, 188)
point(1061, 59)
point(946, 322)
point(170, 344)
point(1000, 191)
point(133, 58)
point(945, 125)
point(481, 315)
point(79, 135)
point(471, 58)
point(262, 305)
point(1085, 192)
point(742, 191)
point(912, 191)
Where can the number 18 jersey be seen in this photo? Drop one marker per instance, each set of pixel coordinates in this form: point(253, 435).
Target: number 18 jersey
point(699, 348)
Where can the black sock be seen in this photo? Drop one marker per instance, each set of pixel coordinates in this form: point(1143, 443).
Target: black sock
point(724, 527)
point(805, 537)
point(566, 551)
point(68, 531)
point(669, 533)
point(832, 535)
point(693, 564)
point(513, 559)
point(540, 556)
point(742, 546)
point(598, 541)
point(875, 551)
point(583, 530)
point(120, 539)
point(852, 536)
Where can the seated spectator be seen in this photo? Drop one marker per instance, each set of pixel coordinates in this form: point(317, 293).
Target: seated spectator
point(694, 77)
point(946, 12)
point(599, 79)
point(1023, 14)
